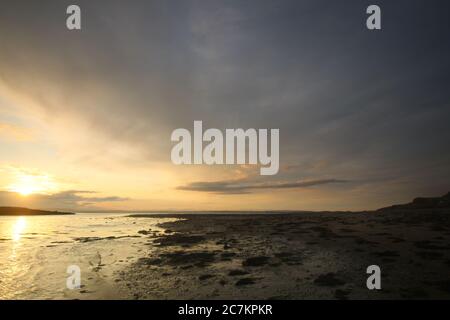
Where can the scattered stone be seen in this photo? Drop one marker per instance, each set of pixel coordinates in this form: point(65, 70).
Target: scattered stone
point(181, 257)
point(387, 253)
point(237, 272)
point(179, 239)
point(206, 276)
point(227, 255)
point(328, 280)
point(245, 281)
point(341, 294)
point(255, 261)
point(150, 261)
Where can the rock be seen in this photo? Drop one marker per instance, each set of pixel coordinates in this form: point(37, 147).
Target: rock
point(179, 239)
point(181, 258)
point(341, 294)
point(328, 280)
point(255, 261)
point(237, 272)
point(245, 282)
point(206, 276)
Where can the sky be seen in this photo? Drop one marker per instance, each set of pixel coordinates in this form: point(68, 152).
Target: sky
point(86, 115)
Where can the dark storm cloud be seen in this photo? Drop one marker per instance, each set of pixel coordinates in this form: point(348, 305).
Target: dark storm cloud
point(242, 186)
point(364, 104)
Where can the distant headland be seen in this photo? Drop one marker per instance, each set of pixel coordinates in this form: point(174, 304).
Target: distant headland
point(18, 211)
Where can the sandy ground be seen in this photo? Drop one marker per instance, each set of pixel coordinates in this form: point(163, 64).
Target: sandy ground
point(295, 256)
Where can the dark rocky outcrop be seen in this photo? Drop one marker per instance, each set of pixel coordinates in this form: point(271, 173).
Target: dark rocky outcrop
point(18, 211)
point(423, 203)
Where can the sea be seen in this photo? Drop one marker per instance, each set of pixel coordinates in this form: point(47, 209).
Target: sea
point(70, 256)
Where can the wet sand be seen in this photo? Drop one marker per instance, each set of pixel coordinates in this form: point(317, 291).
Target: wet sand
point(36, 251)
point(294, 256)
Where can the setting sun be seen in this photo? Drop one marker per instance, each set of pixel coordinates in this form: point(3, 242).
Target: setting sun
point(27, 184)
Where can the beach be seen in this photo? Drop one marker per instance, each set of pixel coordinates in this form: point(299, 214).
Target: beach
point(230, 255)
point(296, 256)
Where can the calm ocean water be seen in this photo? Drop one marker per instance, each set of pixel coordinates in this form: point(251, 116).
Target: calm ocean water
point(35, 252)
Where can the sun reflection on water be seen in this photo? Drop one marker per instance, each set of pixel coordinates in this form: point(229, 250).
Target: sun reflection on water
point(18, 228)
point(15, 264)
